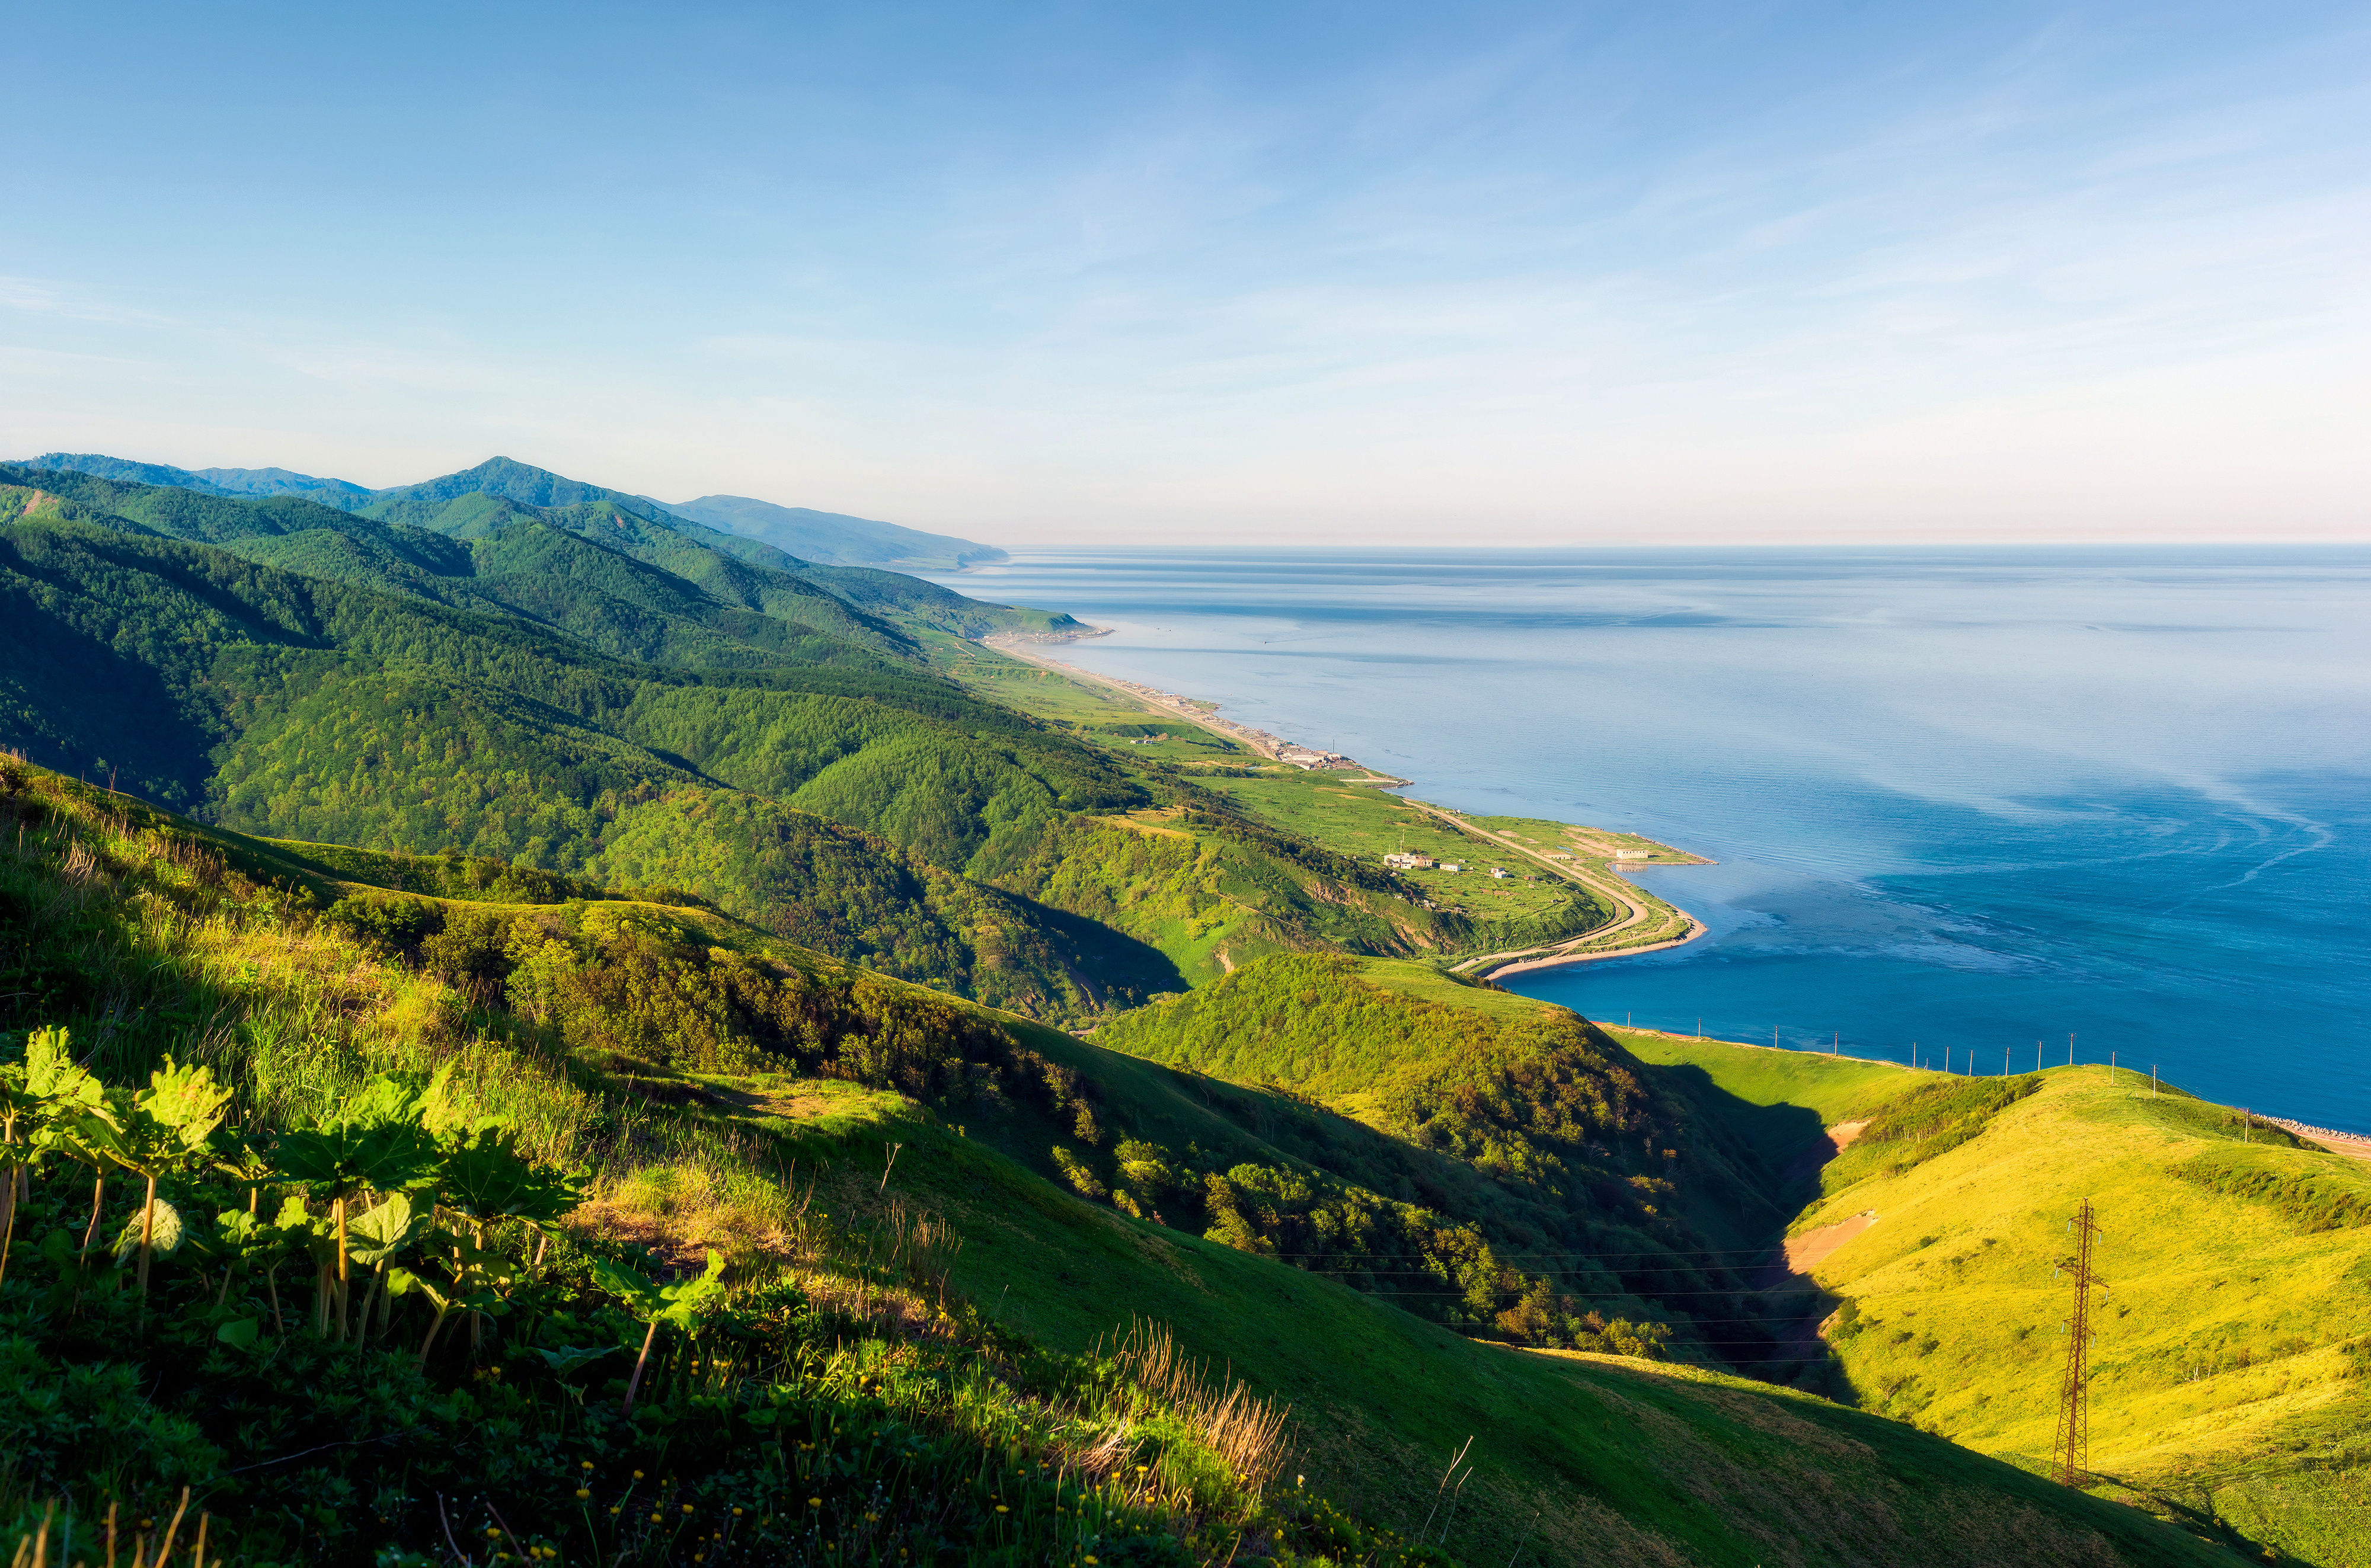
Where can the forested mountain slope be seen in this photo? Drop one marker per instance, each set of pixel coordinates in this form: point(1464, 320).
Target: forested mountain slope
point(892, 1289)
point(407, 689)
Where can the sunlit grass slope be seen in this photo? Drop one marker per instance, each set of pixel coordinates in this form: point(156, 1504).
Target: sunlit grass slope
point(2234, 1343)
point(712, 1101)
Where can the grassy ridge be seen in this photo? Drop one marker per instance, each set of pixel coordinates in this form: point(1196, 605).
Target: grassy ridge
point(2233, 1369)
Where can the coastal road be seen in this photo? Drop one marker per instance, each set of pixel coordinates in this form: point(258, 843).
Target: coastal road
point(1635, 911)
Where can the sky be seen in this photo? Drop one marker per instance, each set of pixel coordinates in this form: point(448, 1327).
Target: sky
point(1223, 274)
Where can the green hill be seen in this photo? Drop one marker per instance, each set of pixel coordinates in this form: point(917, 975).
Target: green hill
point(842, 1138)
point(2233, 1365)
point(402, 694)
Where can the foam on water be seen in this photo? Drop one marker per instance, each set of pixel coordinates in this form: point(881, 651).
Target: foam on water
point(1974, 799)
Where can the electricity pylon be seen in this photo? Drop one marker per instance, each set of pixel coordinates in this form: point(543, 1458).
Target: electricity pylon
point(2071, 1456)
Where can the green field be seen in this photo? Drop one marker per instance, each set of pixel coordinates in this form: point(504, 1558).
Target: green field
point(1093, 712)
point(1368, 823)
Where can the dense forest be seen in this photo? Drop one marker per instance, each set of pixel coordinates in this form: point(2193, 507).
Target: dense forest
point(607, 697)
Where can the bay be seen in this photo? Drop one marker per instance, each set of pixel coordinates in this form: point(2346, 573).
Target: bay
point(1963, 801)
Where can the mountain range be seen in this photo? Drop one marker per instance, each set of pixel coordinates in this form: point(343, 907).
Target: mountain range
point(826, 538)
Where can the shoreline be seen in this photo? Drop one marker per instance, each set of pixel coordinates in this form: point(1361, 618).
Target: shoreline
point(1275, 748)
point(2354, 1145)
point(1628, 899)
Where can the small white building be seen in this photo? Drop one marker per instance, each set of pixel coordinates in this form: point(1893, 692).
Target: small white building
point(1498, 872)
point(1406, 862)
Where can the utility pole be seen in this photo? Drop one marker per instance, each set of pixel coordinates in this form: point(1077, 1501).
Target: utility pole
point(2071, 1453)
point(2152, 1081)
point(2070, 1050)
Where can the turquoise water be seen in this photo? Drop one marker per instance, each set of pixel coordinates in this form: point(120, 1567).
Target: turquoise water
point(1971, 800)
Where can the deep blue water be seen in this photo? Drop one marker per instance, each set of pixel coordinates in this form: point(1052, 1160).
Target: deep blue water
point(1973, 800)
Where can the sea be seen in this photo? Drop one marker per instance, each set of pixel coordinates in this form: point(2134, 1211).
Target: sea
point(1982, 807)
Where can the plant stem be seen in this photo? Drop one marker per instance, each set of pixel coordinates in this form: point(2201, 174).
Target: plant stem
point(8, 1226)
point(98, 1195)
point(636, 1382)
point(426, 1343)
point(147, 1236)
point(342, 1269)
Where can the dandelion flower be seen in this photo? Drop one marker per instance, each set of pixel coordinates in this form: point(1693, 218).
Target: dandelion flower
point(582, 1492)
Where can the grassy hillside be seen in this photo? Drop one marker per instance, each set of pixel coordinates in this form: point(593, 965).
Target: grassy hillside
point(838, 1136)
point(1567, 1158)
point(2233, 1367)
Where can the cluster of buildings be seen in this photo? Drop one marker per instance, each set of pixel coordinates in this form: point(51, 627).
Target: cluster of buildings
point(1406, 861)
point(1305, 756)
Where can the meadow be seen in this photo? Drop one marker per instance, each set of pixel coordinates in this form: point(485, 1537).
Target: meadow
point(2233, 1365)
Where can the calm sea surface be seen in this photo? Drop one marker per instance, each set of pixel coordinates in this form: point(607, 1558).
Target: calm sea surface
point(1977, 800)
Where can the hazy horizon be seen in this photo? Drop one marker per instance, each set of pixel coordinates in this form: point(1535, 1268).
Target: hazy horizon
point(1517, 274)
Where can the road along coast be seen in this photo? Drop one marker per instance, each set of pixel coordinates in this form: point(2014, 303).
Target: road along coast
point(1025, 646)
point(1585, 857)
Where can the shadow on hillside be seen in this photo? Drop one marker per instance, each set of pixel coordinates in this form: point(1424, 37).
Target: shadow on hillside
point(1760, 1171)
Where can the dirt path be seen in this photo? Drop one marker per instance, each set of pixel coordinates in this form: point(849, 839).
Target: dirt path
point(1788, 1272)
point(1831, 1143)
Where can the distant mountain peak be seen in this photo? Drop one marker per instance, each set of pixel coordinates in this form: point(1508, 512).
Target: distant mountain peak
point(833, 537)
point(208, 481)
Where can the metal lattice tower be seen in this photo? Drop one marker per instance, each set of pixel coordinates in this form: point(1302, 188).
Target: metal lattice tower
point(2071, 1456)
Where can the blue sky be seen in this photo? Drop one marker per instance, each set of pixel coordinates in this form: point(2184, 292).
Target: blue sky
point(1129, 273)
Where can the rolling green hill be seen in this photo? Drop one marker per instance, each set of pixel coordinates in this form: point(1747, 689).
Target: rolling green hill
point(843, 1138)
point(2233, 1367)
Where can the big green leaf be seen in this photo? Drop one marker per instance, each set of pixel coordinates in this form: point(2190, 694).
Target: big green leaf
point(165, 1233)
point(378, 1235)
point(486, 1178)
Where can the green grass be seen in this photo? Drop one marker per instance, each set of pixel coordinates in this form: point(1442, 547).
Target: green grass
point(1368, 823)
point(1575, 1459)
point(2233, 1367)
point(1780, 1101)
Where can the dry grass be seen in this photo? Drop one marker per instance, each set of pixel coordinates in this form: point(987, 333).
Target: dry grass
point(1246, 1432)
